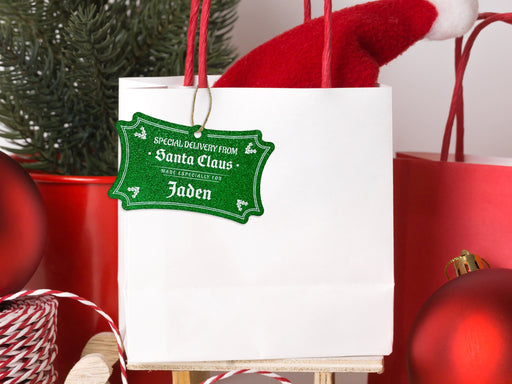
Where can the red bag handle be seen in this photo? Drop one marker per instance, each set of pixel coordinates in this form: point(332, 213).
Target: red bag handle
point(457, 102)
point(191, 41)
point(202, 75)
point(307, 10)
point(327, 52)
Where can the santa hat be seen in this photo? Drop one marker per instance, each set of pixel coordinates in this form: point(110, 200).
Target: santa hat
point(365, 37)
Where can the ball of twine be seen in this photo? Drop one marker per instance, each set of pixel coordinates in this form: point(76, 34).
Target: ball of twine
point(28, 329)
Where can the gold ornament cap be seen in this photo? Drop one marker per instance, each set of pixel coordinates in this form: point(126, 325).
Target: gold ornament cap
point(466, 262)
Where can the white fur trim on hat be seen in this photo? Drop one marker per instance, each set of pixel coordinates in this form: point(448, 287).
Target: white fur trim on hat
point(455, 18)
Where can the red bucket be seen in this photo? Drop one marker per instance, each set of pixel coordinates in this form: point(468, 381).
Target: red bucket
point(80, 257)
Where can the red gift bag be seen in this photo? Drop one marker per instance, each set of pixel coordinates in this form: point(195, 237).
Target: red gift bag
point(442, 207)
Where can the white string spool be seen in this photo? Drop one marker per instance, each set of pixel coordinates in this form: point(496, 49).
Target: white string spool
point(28, 300)
point(28, 330)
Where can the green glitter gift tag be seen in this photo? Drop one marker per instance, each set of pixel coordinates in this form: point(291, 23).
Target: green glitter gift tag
point(164, 165)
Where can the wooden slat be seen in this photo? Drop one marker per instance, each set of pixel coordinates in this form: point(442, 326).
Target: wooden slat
point(324, 378)
point(104, 343)
point(101, 352)
point(91, 369)
point(187, 377)
point(352, 364)
point(181, 377)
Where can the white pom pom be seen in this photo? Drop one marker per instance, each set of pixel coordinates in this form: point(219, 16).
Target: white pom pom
point(455, 18)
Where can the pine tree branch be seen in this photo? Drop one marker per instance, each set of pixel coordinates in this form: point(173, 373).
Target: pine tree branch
point(60, 62)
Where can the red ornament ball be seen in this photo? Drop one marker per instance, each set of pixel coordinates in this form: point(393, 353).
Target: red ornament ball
point(463, 333)
point(22, 226)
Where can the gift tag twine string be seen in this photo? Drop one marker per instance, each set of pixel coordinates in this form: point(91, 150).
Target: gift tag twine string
point(60, 294)
point(189, 61)
point(203, 44)
point(456, 106)
point(201, 128)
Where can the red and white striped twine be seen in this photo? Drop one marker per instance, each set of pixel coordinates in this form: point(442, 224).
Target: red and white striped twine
point(27, 336)
point(27, 341)
point(222, 376)
point(28, 327)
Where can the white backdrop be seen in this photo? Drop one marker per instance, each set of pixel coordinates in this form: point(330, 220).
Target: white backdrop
point(422, 80)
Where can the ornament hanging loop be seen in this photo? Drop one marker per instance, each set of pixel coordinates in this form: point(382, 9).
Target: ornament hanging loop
point(201, 128)
point(466, 262)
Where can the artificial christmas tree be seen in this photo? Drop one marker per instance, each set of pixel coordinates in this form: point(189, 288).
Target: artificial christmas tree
point(61, 62)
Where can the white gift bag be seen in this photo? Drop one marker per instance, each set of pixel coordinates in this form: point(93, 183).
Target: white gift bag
point(311, 277)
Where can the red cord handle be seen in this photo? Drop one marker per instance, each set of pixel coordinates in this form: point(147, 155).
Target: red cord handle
point(327, 52)
point(307, 10)
point(203, 43)
point(457, 102)
point(191, 41)
point(202, 73)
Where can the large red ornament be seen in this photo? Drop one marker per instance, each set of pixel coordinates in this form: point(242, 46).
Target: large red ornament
point(463, 333)
point(22, 226)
